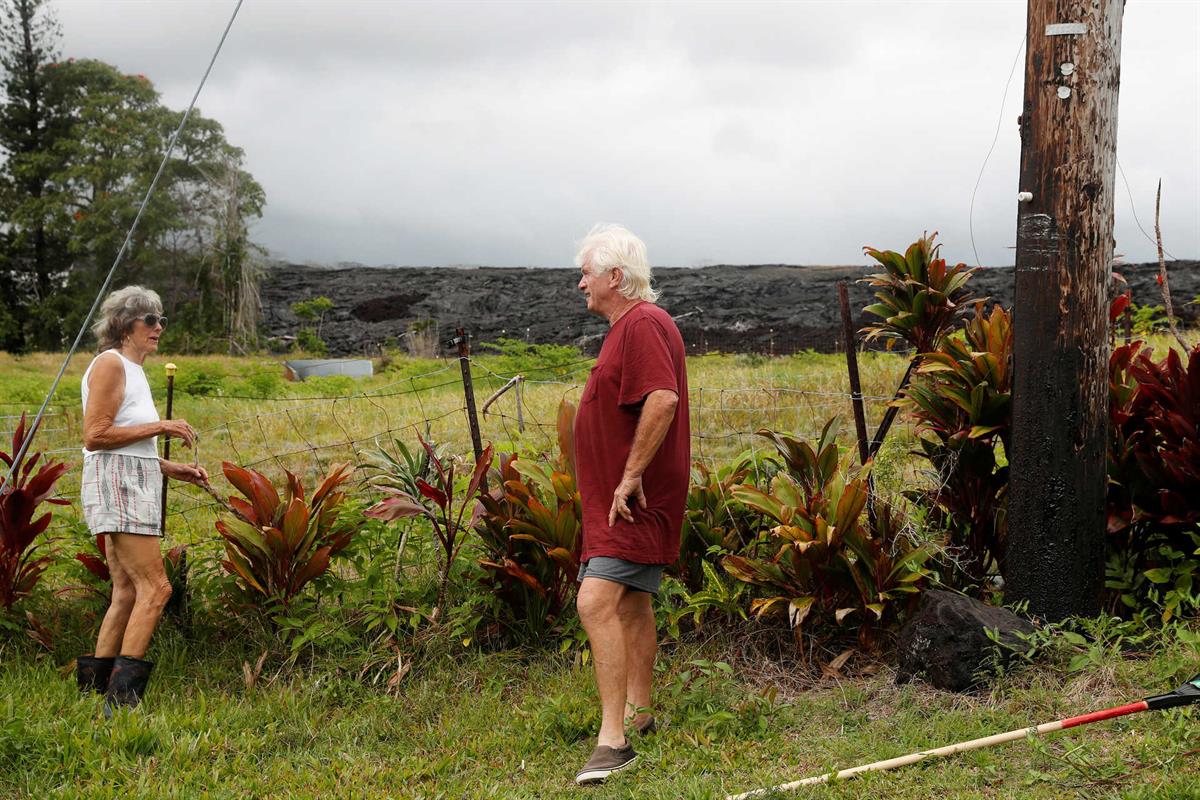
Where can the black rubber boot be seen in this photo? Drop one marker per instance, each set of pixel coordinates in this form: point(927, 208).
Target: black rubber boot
point(127, 684)
point(92, 673)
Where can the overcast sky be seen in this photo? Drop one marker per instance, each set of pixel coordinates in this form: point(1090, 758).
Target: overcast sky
point(498, 133)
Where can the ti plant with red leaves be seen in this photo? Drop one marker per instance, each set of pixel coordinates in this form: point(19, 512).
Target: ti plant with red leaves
point(276, 545)
point(921, 301)
point(530, 526)
point(1154, 474)
point(31, 484)
point(920, 298)
point(961, 401)
point(831, 564)
point(442, 504)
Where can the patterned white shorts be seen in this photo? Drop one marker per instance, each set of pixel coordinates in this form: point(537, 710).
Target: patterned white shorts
point(122, 494)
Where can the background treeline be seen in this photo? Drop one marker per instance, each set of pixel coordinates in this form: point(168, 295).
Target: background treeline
point(81, 143)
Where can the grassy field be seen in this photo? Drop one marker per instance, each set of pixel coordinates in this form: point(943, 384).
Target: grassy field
point(465, 721)
point(247, 413)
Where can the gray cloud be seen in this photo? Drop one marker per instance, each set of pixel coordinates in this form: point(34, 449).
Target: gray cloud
point(444, 133)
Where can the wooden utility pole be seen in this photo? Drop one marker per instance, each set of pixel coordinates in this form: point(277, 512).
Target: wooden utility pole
point(1057, 482)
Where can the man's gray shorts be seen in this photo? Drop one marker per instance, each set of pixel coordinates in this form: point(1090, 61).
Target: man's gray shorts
point(642, 577)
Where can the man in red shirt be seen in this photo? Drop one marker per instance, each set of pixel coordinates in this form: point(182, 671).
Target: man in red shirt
point(632, 461)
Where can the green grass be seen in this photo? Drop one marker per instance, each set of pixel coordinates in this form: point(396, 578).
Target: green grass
point(512, 725)
point(469, 723)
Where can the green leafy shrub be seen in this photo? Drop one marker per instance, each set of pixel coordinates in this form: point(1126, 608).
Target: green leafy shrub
point(444, 503)
point(1148, 319)
point(330, 385)
point(961, 401)
point(201, 381)
point(920, 298)
point(530, 527)
point(312, 310)
point(262, 383)
point(831, 564)
point(530, 531)
point(512, 356)
point(275, 546)
point(709, 705)
point(309, 341)
point(715, 523)
point(29, 486)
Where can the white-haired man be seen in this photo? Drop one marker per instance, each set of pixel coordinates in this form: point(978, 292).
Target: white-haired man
point(632, 457)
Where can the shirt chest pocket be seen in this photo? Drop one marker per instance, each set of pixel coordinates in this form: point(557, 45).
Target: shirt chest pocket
point(600, 375)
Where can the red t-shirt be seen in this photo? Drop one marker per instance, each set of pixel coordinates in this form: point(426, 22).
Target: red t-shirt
point(643, 352)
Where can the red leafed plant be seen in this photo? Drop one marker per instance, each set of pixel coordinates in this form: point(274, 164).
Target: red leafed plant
point(443, 505)
point(1154, 441)
point(530, 526)
point(277, 545)
point(96, 564)
point(29, 486)
point(920, 298)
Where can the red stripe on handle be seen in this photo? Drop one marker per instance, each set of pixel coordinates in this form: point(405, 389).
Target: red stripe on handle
point(1108, 713)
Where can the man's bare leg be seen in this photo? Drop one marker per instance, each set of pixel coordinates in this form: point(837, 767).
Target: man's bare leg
point(641, 647)
point(599, 603)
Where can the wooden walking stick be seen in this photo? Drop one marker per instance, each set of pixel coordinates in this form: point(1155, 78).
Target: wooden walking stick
point(1187, 694)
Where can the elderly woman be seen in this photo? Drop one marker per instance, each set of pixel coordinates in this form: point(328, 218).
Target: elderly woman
point(121, 491)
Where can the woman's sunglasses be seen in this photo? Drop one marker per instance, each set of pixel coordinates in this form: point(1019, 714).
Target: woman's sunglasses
point(154, 319)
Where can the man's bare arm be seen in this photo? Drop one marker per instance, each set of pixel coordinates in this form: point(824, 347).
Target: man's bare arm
point(658, 412)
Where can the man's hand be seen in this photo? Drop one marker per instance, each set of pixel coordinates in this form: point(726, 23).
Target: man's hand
point(185, 472)
point(626, 489)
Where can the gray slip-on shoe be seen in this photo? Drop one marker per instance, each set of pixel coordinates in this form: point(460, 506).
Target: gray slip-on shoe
point(604, 762)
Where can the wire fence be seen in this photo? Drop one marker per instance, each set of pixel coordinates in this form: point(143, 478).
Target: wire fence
point(308, 434)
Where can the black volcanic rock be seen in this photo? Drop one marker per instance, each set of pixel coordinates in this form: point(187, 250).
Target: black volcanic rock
point(947, 641)
point(769, 308)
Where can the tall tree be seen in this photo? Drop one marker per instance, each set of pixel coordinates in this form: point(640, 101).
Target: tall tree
point(109, 133)
point(30, 254)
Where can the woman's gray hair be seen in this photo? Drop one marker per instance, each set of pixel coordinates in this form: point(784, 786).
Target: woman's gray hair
point(120, 310)
point(609, 246)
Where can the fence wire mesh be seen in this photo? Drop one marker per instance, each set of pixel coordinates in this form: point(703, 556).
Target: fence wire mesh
point(308, 434)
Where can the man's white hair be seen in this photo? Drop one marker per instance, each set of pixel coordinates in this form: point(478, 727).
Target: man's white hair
point(608, 246)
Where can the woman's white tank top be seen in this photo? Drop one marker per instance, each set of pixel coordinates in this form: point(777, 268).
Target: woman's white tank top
point(137, 407)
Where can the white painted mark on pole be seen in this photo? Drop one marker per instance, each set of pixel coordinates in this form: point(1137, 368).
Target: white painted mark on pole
point(1067, 29)
point(1064, 92)
point(1066, 68)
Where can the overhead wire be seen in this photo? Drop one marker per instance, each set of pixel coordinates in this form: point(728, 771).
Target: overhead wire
point(995, 138)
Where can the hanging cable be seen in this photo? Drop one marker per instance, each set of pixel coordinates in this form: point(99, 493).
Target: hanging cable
point(120, 254)
point(995, 138)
